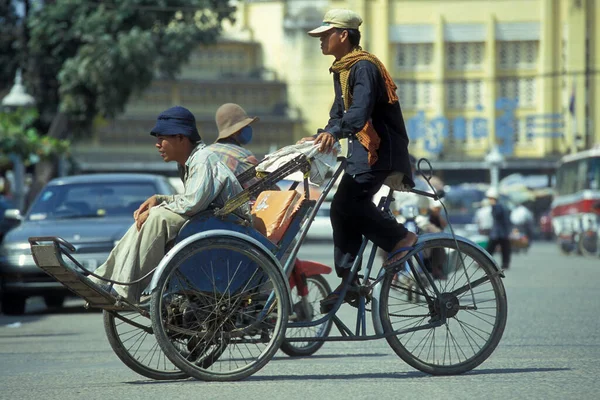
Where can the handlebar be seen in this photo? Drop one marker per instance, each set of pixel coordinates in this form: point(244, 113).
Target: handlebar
point(434, 196)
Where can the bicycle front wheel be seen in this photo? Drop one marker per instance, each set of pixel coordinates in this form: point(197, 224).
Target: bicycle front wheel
point(470, 304)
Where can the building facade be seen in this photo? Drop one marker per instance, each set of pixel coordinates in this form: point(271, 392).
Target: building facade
point(230, 71)
point(521, 75)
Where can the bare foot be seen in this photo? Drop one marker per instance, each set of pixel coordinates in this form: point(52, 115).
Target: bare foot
point(409, 240)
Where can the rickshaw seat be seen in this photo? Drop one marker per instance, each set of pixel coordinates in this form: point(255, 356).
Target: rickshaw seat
point(273, 212)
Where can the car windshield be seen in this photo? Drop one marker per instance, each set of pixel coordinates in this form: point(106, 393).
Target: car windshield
point(90, 200)
point(462, 204)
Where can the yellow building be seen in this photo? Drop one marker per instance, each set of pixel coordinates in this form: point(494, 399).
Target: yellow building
point(228, 71)
point(519, 74)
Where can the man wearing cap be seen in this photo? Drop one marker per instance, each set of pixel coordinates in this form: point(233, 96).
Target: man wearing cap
point(234, 132)
point(501, 227)
point(367, 112)
point(158, 220)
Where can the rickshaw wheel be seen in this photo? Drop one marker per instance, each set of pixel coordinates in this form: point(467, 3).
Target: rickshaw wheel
point(220, 308)
point(137, 347)
point(318, 289)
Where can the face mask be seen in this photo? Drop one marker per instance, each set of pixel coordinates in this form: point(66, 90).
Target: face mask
point(245, 135)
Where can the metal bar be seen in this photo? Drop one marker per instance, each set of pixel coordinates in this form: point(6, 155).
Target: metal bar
point(311, 216)
point(365, 337)
point(58, 240)
point(344, 330)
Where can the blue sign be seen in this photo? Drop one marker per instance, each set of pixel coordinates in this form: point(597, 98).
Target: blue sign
point(435, 132)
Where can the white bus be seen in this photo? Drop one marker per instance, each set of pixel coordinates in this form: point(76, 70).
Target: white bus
point(576, 204)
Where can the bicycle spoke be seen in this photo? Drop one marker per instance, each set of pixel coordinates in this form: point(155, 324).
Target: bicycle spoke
point(470, 309)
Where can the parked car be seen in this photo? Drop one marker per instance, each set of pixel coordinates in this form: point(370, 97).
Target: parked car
point(6, 224)
point(90, 211)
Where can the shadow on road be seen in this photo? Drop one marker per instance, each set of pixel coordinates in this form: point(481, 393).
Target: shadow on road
point(332, 356)
point(368, 375)
point(399, 375)
point(513, 370)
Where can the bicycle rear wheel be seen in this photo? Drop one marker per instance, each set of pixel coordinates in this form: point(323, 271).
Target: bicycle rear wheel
point(132, 340)
point(220, 309)
point(471, 304)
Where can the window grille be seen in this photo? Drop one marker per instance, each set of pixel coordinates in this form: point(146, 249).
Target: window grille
point(414, 94)
point(464, 56)
point(522, 89)
point(414, 56)
point(464, 94)
point(518, 55)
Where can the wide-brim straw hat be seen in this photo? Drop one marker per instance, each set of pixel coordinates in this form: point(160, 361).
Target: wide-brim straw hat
point(231, 118)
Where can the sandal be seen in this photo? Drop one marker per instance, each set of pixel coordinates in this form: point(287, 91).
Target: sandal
point(396, 256)
point(329, 302)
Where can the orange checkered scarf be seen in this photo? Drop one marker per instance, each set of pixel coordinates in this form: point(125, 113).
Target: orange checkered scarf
point(368, 137)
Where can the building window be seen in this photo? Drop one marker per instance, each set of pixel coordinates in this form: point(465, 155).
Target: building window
point(464, 56)
point(414, 94)
point(521, 89)
point(414, 56)
point(518, 55)
point(464, 94)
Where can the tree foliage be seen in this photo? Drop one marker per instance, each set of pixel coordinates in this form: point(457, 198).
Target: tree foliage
point(19, 136)
point(89, 57)
point(9, 42)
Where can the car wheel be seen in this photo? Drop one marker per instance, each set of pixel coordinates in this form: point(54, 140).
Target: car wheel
point(54, 301)
point(13, 305)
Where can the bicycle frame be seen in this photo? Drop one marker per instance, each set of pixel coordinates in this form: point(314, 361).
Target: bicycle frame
point(360, 332)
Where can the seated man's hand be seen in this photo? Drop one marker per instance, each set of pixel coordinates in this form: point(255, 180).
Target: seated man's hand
point(146, 205)
point(326, 141)
point(141, 218)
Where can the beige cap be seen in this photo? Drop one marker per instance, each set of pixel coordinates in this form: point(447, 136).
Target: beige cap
point(230, 118)
point(337, 18)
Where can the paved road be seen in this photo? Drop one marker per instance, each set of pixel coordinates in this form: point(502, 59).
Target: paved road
point(550, 350)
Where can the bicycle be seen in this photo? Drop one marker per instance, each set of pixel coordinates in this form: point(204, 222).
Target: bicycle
point(221, 298)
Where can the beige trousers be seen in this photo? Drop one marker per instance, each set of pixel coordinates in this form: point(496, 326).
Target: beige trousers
point(137, 253)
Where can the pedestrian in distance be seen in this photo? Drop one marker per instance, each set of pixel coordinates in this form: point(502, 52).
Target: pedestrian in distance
point(522, 219)
point(501, 227)
point(366, 111)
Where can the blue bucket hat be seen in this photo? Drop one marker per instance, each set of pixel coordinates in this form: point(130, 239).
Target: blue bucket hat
point(176, 121)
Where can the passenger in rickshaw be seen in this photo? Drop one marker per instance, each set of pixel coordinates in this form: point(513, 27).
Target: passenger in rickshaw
point(235, 131)
point(366, 107)
point(207, 180)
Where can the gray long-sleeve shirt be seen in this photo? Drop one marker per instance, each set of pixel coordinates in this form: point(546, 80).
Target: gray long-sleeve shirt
point(206, 181)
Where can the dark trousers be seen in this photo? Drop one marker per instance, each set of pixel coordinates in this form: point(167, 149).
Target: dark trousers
point(504, 248)
point(354, 215)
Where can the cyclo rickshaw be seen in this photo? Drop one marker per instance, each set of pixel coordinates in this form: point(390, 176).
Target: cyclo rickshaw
point(221, 300)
